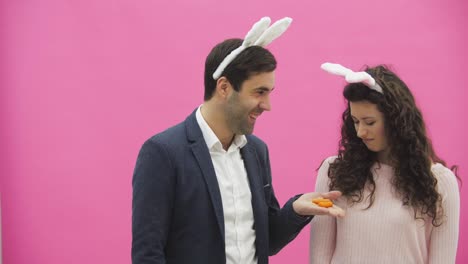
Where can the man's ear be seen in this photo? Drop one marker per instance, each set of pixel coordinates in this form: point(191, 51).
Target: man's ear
point(223, 87)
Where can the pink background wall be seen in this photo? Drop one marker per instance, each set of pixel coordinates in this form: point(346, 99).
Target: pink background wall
point(84, 83)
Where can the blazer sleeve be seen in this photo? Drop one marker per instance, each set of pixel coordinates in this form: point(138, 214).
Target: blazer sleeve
point(444, 238)
point(153, 189)
point(323, 228)
point(284, 223)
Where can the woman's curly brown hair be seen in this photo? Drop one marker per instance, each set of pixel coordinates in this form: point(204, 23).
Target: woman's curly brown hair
point(411, 151)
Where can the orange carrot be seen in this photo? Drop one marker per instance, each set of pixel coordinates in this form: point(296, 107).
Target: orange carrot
point(323, 202)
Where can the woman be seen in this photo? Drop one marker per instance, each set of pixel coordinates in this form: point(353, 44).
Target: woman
point(402, 204)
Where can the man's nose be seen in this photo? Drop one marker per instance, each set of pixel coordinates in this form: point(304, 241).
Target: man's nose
point(265, 104)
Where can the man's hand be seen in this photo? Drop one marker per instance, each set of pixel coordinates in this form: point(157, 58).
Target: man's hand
point(304, 205)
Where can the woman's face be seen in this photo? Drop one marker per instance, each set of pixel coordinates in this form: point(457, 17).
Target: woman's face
point(369, 123)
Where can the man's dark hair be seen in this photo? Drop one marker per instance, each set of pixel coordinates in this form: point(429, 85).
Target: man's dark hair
point(251, 61)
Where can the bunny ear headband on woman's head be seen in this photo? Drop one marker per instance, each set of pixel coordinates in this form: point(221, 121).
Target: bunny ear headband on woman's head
point(352, 77)
point(259, 35)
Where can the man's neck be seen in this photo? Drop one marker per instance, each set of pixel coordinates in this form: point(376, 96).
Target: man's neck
point(214, 117)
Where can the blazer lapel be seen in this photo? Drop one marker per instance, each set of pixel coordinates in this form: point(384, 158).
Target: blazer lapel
point(253, 171)
point(259, 208)
point(202, 155)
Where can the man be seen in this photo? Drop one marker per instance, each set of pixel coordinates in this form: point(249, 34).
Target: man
point(202, 190)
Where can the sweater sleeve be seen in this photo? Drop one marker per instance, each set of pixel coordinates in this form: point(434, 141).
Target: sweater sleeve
point(323, 228)
point(444, 238)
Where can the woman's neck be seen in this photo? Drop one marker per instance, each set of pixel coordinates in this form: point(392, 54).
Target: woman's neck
point(383, 157)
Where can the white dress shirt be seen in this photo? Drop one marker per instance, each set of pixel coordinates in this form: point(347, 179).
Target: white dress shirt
point(235, 194)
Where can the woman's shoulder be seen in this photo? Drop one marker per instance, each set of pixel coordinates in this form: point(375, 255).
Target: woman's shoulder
point(439, 170)
point(325, 164)
point(446, 179)
point(329, 159)
point(322, 181)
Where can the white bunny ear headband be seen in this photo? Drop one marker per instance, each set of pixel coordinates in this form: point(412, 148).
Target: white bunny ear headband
point(259, 35)
point(352, 77)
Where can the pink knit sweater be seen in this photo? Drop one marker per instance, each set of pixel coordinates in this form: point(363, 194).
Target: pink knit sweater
point(387, 232)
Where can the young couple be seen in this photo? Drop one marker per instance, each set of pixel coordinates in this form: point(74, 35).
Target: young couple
point(203, 193)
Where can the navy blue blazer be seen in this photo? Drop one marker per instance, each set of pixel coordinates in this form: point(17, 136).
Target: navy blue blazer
point(177, 213)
